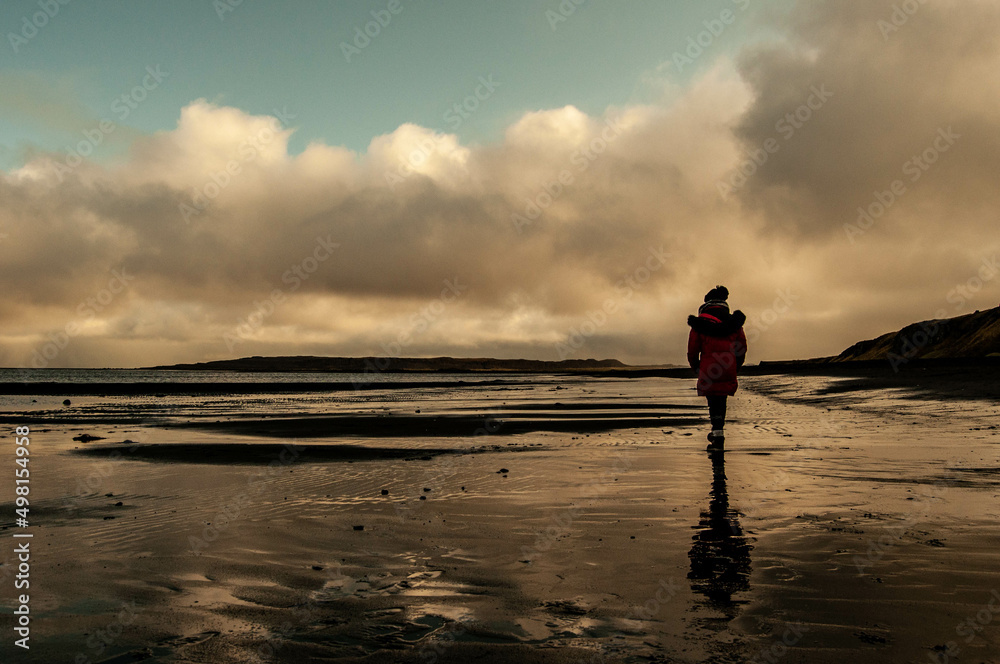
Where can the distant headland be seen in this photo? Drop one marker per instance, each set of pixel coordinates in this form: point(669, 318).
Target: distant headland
point(960, 340)
point(306, 363)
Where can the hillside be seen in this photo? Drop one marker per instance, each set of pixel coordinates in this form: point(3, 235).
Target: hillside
point(395, 364)
point(969, 336)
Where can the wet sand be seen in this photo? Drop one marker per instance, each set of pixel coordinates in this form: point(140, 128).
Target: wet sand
point(515, 522)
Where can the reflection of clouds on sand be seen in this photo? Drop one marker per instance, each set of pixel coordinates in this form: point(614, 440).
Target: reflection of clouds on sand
point(290, 579)
point(720, 557)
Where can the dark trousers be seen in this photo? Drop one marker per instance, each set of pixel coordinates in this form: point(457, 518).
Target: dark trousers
point(717, 410)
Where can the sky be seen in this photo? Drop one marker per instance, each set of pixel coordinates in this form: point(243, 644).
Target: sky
point(204, 180)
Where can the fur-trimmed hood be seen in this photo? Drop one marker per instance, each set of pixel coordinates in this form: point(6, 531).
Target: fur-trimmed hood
point(718, 323)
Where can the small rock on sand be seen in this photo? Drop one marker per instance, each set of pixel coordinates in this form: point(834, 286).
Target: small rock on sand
point(359, 527)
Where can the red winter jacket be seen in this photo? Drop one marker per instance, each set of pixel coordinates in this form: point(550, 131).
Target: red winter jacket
point(717, 347)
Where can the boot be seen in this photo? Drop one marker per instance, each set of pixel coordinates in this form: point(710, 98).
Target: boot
point(717, 437)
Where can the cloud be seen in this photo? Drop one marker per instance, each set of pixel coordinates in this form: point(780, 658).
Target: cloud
point(605, 230)
point(892, 90)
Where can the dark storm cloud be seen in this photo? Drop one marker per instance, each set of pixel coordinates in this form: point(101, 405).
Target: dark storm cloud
point(897, 80)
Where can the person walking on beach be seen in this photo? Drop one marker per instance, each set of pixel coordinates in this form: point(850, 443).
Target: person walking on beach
point(717, 348)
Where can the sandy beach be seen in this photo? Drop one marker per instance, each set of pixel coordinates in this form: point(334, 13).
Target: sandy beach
point(527, 520)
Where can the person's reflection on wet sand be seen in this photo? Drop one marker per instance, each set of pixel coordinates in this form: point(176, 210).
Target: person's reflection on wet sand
point(720, 557)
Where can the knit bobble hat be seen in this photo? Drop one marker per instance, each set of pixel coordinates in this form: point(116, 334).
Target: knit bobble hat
point(716, 298)
point(717, 294)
